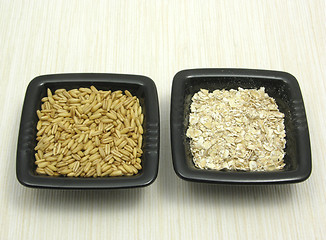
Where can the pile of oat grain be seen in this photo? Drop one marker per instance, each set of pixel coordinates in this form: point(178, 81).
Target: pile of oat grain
point(87, 132)
point(236, 130)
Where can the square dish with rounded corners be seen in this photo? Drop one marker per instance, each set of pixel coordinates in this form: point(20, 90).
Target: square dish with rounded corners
point(142, 87)
point(283, 87)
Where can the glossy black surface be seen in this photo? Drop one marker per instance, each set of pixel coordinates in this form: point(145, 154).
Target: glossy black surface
point(283, 87)
point(142, 87)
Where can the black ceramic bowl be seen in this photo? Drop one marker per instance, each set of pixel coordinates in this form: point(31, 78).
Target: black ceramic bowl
point(283, 87)
point(140, 86)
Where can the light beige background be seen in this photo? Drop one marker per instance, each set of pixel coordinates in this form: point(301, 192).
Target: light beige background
point(157, 39)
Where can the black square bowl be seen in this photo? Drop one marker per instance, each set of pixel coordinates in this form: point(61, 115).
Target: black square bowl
point(283, 87)
point(142, 87)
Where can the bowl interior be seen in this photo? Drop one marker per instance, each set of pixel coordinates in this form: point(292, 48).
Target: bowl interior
point(276, 89)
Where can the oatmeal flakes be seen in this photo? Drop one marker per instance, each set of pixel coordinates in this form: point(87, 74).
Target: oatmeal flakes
point(236, 130)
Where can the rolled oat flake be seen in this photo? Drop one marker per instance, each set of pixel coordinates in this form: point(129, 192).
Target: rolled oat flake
point(236, 130)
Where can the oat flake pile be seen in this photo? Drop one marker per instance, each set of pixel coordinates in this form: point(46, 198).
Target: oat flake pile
point(236, 130)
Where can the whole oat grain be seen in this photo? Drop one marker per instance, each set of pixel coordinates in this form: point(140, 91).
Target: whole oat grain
point(88, 132)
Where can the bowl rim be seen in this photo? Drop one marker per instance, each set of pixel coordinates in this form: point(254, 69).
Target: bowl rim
point(149, 174)
point(181, 168)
